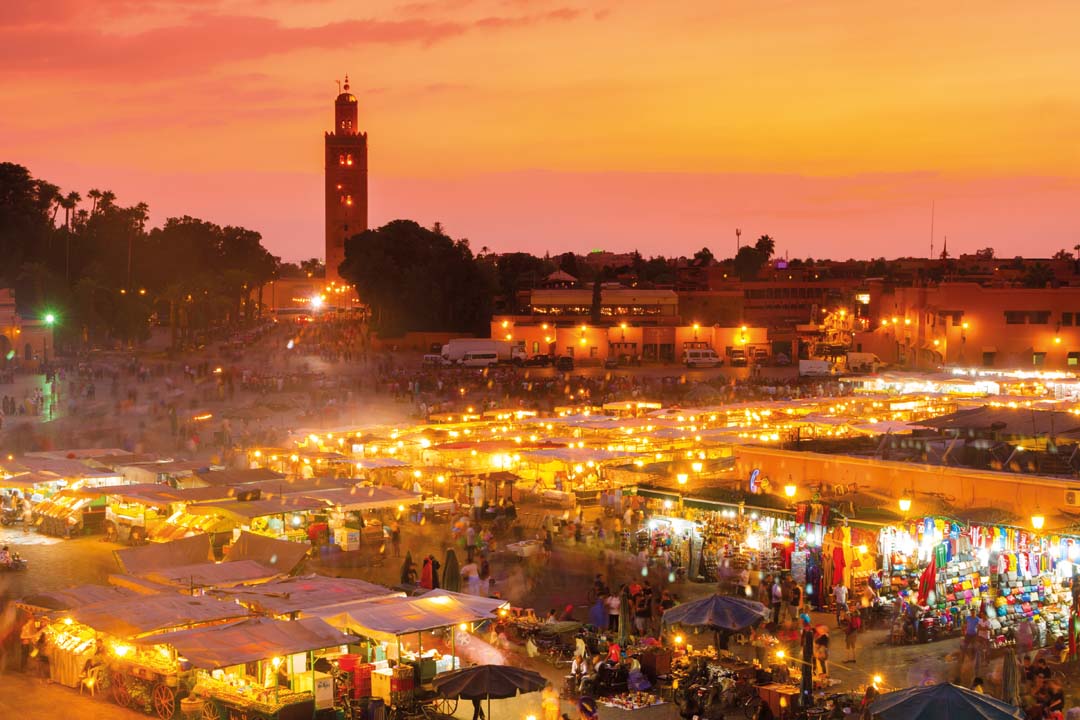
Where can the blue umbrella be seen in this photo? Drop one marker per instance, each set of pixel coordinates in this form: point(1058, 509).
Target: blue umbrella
point(719, 612)
point(941, 702)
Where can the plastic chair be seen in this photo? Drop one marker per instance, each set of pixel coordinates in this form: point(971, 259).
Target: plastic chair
point(92, 679)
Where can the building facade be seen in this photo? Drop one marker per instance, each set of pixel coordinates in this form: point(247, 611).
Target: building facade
point(974, 325)
point(346, 181)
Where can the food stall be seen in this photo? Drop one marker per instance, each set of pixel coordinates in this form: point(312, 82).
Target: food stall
point(286, 517)
point(287, 597)
point(71, 512)
point(254, 668)
point(408, 641)
point(91, 645)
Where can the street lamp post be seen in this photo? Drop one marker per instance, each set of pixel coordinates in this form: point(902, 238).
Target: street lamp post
point(49, 320)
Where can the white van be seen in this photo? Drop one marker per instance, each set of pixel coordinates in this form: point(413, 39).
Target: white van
point(701, 357)
point(480, 359)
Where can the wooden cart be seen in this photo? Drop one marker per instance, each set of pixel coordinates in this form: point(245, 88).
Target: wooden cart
point(154, 689)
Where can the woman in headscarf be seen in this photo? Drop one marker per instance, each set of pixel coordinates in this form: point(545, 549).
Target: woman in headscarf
point(425, 574)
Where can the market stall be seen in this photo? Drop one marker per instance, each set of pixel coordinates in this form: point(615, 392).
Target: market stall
point(91, 646)
point(256, 668)
point(410, 640)
point(944, 570)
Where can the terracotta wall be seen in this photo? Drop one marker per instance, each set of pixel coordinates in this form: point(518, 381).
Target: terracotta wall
point(1021, 494)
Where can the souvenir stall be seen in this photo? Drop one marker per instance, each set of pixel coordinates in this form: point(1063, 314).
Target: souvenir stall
point(257, 667)
point(408, 641)
point(739, 541)
point(944, 570)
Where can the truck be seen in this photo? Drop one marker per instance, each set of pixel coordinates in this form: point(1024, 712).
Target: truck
point(453, 352)
point(863, 362)
point(813, 368)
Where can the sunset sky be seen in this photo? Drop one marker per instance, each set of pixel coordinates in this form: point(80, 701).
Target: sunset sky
point(557, 125)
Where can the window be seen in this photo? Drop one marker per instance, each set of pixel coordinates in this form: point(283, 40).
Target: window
point(1015, 317)
point(1038, 359)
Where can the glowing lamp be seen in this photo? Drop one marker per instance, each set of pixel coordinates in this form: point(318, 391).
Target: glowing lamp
point(790, 490)
point(1037, 521)
point(905, 504)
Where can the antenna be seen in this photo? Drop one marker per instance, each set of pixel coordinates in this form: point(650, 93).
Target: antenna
point(931, 229)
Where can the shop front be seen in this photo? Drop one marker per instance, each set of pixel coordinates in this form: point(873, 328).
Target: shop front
point(944, 571)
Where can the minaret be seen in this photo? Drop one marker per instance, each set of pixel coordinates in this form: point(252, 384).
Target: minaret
point(346, 181)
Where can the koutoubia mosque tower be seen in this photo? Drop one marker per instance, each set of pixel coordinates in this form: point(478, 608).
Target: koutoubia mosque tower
point(346, 181)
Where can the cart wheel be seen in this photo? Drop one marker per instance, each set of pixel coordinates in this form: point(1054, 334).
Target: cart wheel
point(210, 710)
point(164, 701)
point(121, 692)
point(446, 706)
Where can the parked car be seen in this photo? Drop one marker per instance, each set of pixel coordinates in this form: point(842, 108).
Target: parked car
point(537, 361)
point(564, 364)
point(480, 359)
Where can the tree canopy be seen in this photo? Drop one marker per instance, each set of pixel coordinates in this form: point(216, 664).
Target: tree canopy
point(418, 279)
point(108, 277)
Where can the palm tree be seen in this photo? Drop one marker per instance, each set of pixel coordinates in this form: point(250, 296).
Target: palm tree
point(766, 246)
point(70, 201)
point(108, 199)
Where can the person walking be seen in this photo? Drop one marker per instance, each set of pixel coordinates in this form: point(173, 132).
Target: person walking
point(612, 604)
point(852, 625)
point(840, 595)
point(777, 595)
point(395, 537)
